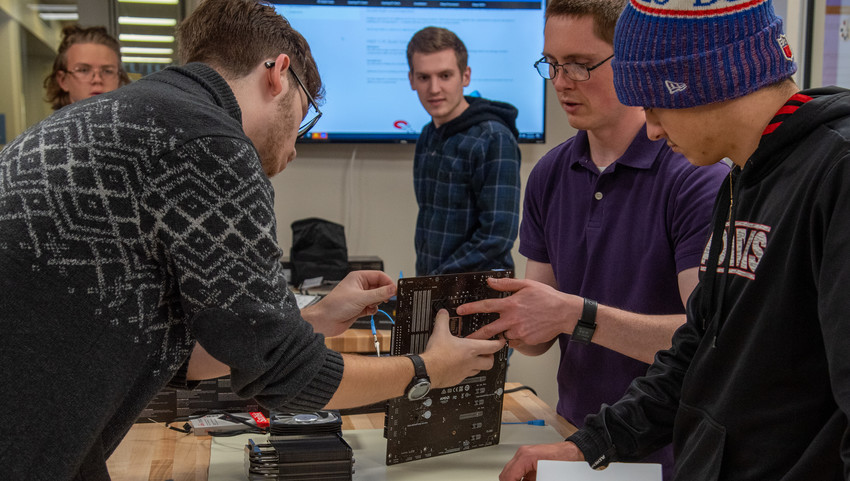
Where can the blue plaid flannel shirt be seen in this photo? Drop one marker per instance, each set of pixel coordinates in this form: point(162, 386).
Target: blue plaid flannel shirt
point(468, 190)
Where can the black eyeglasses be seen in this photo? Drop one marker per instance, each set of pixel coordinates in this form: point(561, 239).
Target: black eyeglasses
point(575, 71)
point(305, 126)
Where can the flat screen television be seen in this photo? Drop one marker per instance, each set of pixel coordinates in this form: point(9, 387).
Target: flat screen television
point(360, 47)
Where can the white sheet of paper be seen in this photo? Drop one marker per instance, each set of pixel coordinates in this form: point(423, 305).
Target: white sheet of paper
point(305, 300)
point(581, 471)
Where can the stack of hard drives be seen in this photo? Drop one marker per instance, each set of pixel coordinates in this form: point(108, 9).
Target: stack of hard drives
point(301, 446)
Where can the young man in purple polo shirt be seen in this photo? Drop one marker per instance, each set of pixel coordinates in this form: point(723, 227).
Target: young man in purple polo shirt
point(614, 226)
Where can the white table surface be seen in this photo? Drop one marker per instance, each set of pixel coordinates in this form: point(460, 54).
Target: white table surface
point(369, 445)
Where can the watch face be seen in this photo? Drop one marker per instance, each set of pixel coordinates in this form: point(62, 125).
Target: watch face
point(419, 390)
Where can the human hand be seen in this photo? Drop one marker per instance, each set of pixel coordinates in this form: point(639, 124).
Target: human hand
point(534, 314)
point(523, 466)
point(449, 359)
point(358, 295)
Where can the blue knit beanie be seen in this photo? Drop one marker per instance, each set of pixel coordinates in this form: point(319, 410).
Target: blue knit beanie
point(684, 53)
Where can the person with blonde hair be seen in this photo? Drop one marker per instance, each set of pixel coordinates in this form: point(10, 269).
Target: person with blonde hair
point(88, 64)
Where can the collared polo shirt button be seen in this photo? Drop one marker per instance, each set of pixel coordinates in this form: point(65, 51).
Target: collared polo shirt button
point(597, 196)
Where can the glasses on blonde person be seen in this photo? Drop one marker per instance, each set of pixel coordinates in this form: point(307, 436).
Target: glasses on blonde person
point(86, 72)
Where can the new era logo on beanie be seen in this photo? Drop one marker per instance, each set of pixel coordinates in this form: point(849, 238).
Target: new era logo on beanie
point(685, 53)
point(674, 87)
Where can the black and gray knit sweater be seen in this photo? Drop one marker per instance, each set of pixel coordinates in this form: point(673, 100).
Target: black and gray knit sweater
point(132, 225)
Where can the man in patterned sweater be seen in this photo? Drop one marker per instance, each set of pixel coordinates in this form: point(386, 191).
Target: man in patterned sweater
point(466, 166)
point(137, 247)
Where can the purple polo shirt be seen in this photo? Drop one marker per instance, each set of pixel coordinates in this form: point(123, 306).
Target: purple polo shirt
point(619, 237)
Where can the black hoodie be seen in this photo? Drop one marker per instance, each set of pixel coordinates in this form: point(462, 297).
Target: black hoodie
point(480, 110)
point(764, 394)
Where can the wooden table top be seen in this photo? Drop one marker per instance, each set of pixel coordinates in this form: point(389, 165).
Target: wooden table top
point(359, 341)
point(151, 452)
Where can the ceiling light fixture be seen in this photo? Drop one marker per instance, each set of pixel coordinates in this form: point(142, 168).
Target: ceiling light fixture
point(149, 21)
point(54, 8)
point(133, 37)
point(147, 59)
point(157, 2)
point(59, 16)
point(148, 50)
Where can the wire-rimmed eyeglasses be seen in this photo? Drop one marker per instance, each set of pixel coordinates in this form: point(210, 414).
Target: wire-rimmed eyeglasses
point(575, 71)
point(86, 73)
point(305, 126)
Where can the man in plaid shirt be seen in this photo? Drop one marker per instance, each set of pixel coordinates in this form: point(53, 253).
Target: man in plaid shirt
point(466, 168)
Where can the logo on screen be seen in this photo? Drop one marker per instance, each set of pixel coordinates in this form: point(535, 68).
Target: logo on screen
point(403, 126)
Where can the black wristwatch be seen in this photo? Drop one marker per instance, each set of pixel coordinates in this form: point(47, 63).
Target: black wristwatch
point(586, 325)
point(421, 383)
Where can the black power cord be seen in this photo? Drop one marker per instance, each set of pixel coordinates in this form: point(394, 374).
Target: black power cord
point(520, 388)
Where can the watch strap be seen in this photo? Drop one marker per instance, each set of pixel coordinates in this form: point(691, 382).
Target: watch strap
point(419, 370)
point(586, 325)
point(420, 385)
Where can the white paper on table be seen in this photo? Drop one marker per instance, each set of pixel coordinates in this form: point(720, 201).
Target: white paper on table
point(581, 471)
point(305, 300)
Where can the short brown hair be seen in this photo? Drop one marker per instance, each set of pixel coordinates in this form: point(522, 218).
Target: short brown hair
point(72, 35)
point(604, 13)
point(437, 39)
point(234, 36)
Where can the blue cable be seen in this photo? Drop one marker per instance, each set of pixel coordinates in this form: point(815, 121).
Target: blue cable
point(533, 422)
point(372, 321)
point(254, 446)
point(375, 332)
point(388, 316)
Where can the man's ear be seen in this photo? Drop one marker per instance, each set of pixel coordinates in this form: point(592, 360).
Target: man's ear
point(410, 77)
point(274, 76)
point(467, 75)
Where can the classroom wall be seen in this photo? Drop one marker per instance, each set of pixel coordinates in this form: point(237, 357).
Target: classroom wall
point(25, 55)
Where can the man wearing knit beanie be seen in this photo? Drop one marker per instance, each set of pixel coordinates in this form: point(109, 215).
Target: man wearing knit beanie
point(756, 385)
